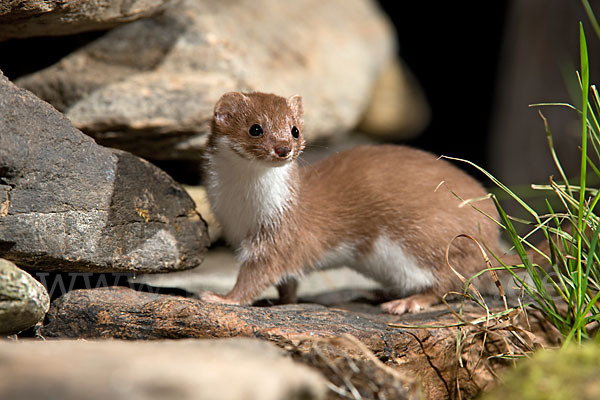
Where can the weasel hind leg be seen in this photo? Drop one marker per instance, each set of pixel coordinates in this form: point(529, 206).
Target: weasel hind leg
point(411, 304)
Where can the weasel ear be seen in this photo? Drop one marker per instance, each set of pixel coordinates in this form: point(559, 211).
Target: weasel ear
point(228, 105)
point(295, 102)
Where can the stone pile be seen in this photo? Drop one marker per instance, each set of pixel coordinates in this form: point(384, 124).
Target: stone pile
point(145, 86)
point(149, 86)
point(69, 204)
point(366, 335)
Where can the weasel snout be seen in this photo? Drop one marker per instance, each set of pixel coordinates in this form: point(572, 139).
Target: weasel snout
point(282, 151)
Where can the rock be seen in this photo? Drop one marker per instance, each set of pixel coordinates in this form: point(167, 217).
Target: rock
point(353, 372)
point(198, 194)
point(185, 369)
point(427, 354)
point(27, 18)
point(398, 108)
point(69, 204)
point(150, 86)
point(23, 300)
point(571, 373)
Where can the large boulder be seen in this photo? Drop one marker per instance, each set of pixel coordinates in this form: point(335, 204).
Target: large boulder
point(398, 108)
point(171, 370)
point(23, 300)
point(67, 203)
point(150, 86)
point(27, 18)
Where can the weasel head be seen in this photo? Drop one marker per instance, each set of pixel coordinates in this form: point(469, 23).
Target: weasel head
point(259, 126)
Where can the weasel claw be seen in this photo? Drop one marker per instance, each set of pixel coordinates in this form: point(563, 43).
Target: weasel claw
point(401, 306)
point(411, 304)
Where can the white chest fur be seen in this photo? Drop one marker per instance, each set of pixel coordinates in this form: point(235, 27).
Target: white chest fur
point(246, 194)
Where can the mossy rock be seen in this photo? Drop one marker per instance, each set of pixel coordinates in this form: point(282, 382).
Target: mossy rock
point(570, 373)
point(23, 300)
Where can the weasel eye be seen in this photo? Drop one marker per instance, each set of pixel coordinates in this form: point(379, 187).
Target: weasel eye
point(295, 132)
point(255, 130)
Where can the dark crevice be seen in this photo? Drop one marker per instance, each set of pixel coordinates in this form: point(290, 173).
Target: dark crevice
point(60, 283)
point(25, 56)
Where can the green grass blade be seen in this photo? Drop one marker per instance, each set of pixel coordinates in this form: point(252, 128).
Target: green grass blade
point(555, 104)
point(499, 184)
point(516, 241)
point(553, 152)
point(585, 82)
point(591, 16)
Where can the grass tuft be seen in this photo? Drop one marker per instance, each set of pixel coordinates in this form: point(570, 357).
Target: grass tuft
point(567, 289)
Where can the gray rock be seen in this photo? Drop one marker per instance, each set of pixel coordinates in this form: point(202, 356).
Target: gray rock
point(23, 300)
point(27, 18)
point(150, 86)
point(67, 203)
point(221, 369)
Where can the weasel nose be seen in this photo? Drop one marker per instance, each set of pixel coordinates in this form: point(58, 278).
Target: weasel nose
point(282, 151)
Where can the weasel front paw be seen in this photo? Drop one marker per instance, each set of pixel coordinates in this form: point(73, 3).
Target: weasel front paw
point(210, 297)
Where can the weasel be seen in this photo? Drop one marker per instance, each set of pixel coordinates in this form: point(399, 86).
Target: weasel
point(377, 209)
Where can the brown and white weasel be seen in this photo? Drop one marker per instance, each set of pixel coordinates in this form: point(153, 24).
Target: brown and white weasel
point(377, 209)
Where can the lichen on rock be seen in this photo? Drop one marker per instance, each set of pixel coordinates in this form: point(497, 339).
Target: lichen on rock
point(569, 373)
